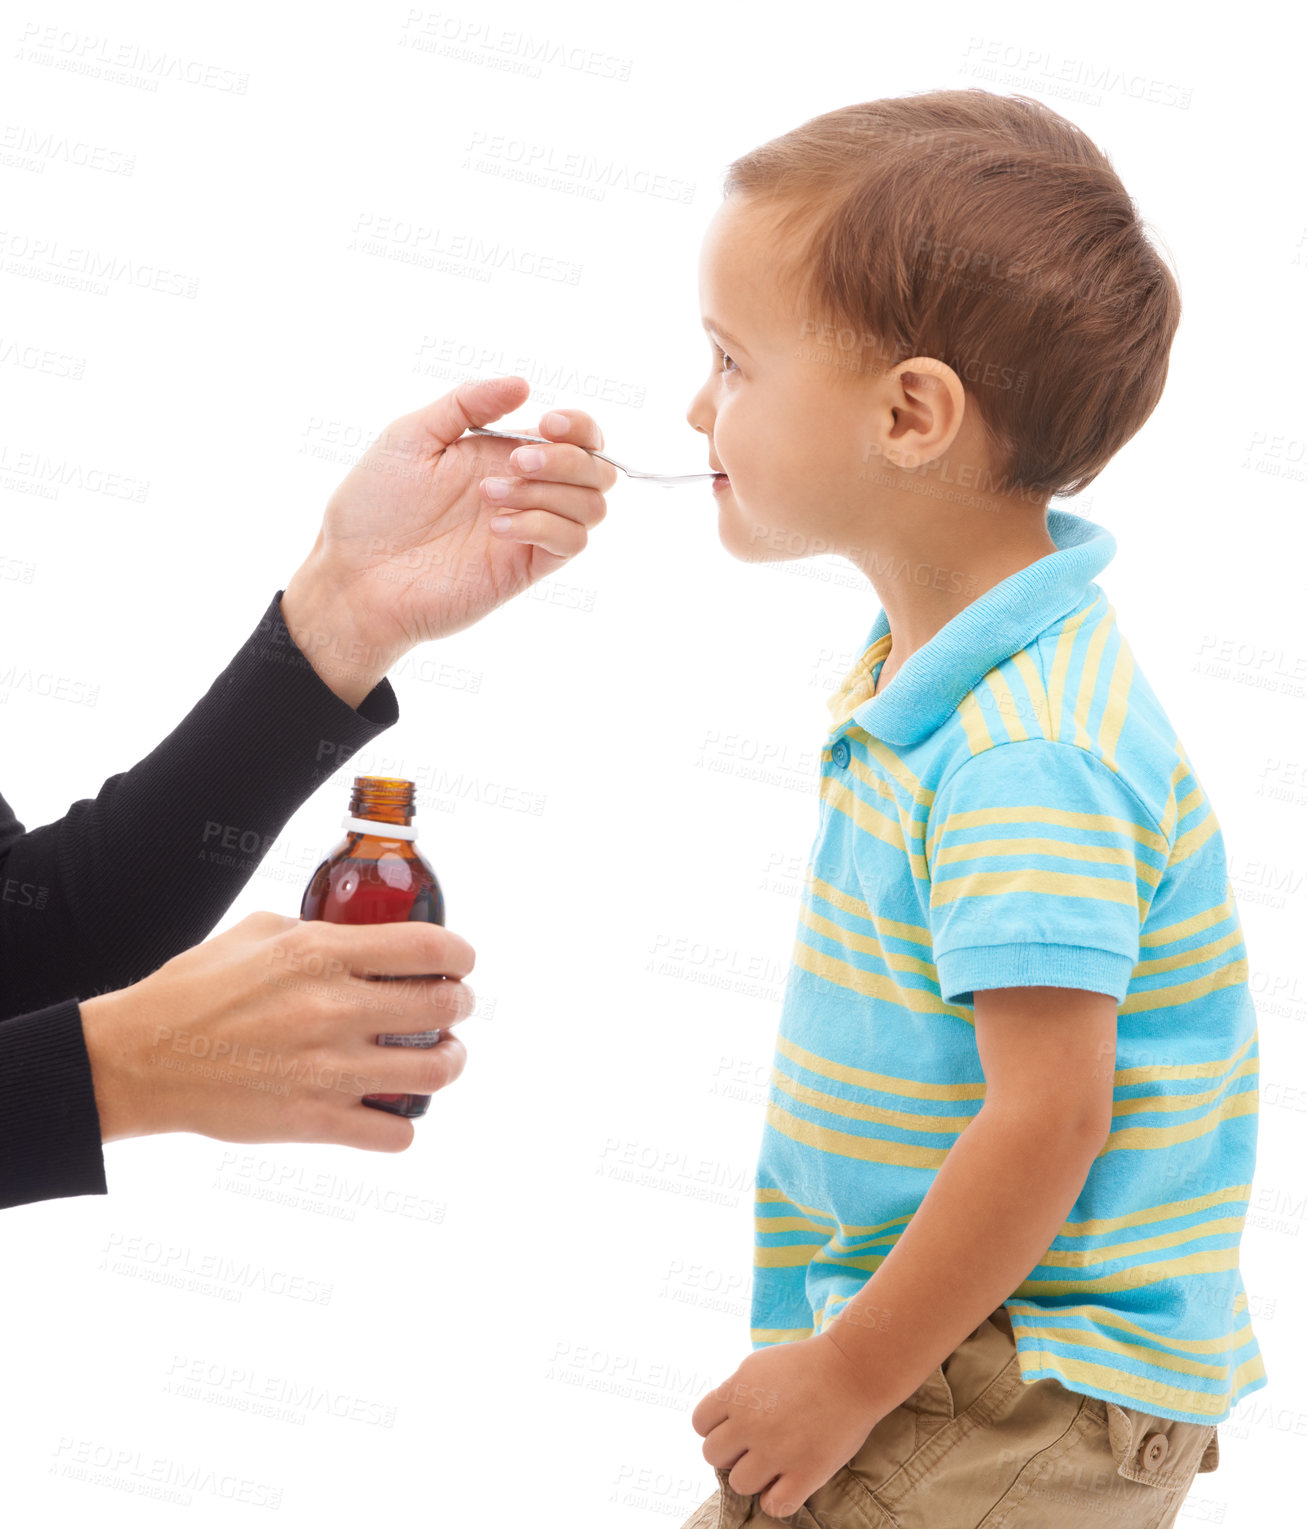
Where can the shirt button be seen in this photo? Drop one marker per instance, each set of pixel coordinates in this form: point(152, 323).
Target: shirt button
point(1154, 1451)
point(840, 752)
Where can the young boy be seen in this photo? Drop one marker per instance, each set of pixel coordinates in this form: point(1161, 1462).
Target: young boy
point(1012, 1121)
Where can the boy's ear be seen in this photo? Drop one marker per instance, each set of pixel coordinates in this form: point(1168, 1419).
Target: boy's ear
point(927, 401)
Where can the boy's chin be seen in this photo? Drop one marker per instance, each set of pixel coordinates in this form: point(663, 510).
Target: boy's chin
point(748, 541)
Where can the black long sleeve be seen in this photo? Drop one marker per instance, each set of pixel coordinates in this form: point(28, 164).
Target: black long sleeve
point(123, 882)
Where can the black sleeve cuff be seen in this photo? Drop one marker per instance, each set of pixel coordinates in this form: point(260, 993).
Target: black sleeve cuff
point(296, 693)
point(49, 1125)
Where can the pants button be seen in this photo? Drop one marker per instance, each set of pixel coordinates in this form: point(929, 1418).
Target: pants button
point(1153, 1451)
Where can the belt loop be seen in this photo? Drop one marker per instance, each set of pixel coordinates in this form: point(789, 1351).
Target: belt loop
point(932, 1401)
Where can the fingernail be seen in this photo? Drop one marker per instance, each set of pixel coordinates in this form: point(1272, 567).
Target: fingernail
point(496, 488)
point(528, 458)
point(501, 522)
point(557, 423)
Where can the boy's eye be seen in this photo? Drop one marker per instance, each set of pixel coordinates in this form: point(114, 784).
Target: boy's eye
point(723, 355)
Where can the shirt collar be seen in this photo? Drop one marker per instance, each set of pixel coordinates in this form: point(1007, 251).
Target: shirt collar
point(993, 627)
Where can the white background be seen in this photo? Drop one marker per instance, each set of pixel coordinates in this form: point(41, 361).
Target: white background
point(538, 1334)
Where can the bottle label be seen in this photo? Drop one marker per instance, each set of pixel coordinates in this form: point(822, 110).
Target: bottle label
point(378, 830)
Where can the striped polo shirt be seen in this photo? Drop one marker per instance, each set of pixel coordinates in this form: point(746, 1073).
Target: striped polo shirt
point(1015, 809)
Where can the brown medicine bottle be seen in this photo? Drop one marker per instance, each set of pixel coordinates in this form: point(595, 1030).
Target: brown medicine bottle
point(377, 875)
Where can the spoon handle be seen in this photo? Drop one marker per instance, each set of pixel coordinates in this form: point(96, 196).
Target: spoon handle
point(510, 435)
point(521, 435)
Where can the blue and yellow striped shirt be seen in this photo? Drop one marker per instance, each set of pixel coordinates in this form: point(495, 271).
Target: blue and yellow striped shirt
point(1015, 809)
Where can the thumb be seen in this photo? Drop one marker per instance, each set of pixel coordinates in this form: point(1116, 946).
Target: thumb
point(470, 403)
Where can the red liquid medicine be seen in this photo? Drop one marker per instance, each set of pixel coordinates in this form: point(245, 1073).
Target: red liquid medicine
point(376, 875)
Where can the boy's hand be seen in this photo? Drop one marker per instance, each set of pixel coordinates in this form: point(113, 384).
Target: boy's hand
point(786, 1421)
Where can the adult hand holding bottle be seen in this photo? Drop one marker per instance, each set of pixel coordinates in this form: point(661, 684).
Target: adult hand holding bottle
point(267, 1032)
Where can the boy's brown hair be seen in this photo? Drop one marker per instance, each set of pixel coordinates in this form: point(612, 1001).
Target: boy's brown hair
point(990, 233)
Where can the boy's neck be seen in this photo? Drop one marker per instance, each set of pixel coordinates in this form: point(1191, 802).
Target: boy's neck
point(917, 607)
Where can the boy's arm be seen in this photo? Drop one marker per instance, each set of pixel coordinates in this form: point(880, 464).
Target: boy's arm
point(793, 1413)
point(1003, 1191)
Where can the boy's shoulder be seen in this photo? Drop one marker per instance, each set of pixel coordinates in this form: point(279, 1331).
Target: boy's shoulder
point(1071, 706)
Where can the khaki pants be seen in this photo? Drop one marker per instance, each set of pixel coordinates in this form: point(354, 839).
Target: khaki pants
point(976, 1447)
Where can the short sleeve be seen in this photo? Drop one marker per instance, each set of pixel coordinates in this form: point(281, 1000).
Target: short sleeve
point(1042, 865)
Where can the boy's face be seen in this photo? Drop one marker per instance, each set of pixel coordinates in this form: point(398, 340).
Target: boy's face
point(790, 436)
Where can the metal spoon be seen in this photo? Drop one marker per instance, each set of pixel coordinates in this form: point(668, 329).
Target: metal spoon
point(664, 478)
